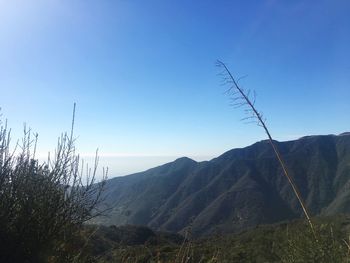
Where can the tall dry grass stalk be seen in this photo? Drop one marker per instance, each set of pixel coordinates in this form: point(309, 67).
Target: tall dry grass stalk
point(242, 98)
point(184, 254)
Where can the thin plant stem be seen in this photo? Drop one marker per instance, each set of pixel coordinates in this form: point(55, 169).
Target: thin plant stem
point(245, 100)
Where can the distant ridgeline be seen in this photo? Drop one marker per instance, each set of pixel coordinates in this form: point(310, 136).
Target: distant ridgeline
point(241, 188)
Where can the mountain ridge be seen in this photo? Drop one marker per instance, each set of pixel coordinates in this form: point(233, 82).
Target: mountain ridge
point(239, 189)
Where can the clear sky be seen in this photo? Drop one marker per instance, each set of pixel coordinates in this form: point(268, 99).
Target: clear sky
point(144, 79)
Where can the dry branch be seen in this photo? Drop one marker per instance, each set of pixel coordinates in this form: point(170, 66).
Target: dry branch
point(244, 99)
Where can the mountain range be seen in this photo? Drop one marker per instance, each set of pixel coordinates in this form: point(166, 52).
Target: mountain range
point(241, 188)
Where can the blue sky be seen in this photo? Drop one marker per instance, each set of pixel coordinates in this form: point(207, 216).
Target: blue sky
point(144, 79)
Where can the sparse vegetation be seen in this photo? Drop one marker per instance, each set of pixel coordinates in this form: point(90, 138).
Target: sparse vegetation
point(44, 206)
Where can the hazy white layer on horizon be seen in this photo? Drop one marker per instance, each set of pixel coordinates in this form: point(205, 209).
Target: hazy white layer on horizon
point(125, 165)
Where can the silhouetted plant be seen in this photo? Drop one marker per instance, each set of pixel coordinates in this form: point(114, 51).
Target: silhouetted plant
point(315, 244)
point(43, 206)
point(246, 99)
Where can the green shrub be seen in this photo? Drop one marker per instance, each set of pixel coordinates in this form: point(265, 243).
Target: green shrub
point(43, 206)
point(326, 244)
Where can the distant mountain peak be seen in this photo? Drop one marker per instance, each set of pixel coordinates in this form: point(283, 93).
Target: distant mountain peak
point(184, 159)
point(344, 134)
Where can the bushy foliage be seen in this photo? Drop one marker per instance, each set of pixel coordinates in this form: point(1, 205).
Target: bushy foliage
point(326, 244)
point(43, 206)
point(285, 242)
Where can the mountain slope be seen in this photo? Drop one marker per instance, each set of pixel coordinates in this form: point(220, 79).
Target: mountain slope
point(239, 189)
